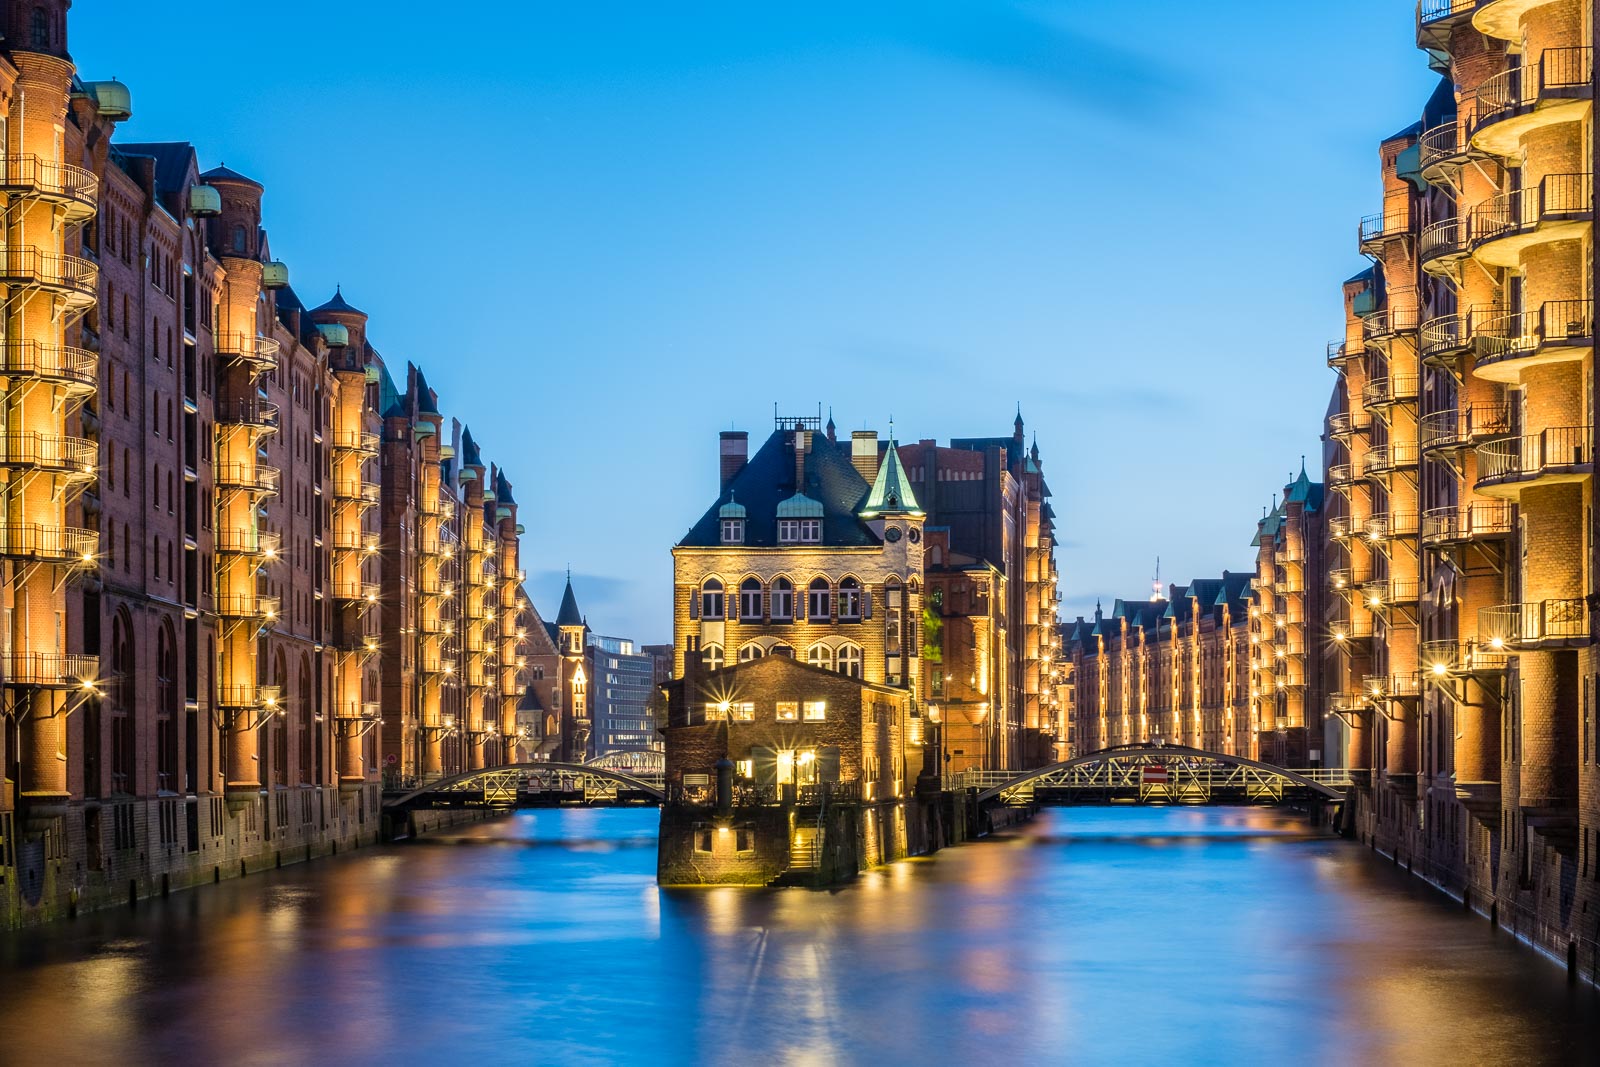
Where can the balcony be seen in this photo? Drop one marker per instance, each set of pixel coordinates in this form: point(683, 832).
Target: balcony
point(252, 412)
point(1538, 624)
point(74, 190)
point(433, 663)
point(1383, 460)
point(1345, 580)
point(1382, 593)
point(1559, 208)
point(261, 353)
point(1444, 339)
point(1391, 322)
point(1551, 456)
point(75, 369)
point(1339, 352)
point(248, 477)
point(365, 711)
point(1460, 429)
point(1555, 88)
point(55, 453)
point(1484, 520)
point(1445, 148)
point(1391, 686)
point(1392, 223)
point(1386, 392)
point(358, 443)
point(1345, 632)
point(65, 546)
point(1341, 477)
point(249, 696)
point(237, 542)
point(1442, 246)
point(248, 607)
point(360, 592)
point(1455, 658)
point(49, 670)
point(1508, 343)
point(72, 280)
point(1342, 526)
point(1389, 525)
point(363, 494)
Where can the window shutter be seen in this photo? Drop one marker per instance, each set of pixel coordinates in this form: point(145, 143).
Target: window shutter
point(866, 603)
point(694, 603)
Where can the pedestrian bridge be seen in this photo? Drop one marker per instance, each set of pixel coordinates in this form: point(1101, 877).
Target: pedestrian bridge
point(534, 785)
point(1153, 774)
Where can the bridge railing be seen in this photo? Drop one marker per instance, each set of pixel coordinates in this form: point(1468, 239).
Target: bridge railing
point(1126, 774)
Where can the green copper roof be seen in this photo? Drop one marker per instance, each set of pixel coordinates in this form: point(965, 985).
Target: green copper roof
point(800, 506)
point(891, 492)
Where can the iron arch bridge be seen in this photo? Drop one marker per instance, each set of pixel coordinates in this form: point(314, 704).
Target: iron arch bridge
point(534, 785)
point(1151, 773)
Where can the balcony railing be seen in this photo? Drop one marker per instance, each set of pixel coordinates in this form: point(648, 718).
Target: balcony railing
point(248, 477)
point(49, 670)
point(1558, 452)
point(1344, 579)
point(1459, 428)
point(248, 412)
point(366, 711)
point(1444, 658)
point(247, 606)
point(1391, 524)
point(1382, 459)
point(260, 352)
point(1557, 199)
point(73, 279)
point(1480, 520)
point(1395, 220)
point(248, 695)
point(1387, 592)
point(242, 542)
point(77, 190)
point(1395, 389)
point(1559, 75)
point(1344, 630)
point(48, 543)
point(1340, 351)
point(1442, 241)
point(363, 493)
point(1390, 322)
point(1557, 324)
point(1444, 336)
point(50, 452)
point(1388, 686)
point(365, 592)
point(1520, 625)
point(361, 443)
point(75, 368)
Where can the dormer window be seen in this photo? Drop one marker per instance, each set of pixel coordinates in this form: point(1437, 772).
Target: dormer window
point(733, 531)
point(799, 531)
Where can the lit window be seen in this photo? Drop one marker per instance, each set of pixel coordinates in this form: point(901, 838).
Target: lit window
point(782, 600)
point(850, 600)
point(745, 768)
point(711, 600)
point(712, 657)
point(732, 531)
point(820, 602)
point(820, 656)
point(750, 601)
point(816, 710)
point(750, 652)
point(788, 711)
point(850, 660)
point(744, 711)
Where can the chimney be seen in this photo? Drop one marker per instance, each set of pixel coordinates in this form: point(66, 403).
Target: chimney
point(735, 454)
point(802, 445)
point(864, 453)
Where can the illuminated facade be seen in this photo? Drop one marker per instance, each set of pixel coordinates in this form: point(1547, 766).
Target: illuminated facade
point(1175, 668)
point(195, 567)
point(1461, 511)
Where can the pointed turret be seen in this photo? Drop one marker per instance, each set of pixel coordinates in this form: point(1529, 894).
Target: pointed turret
point(891, 492)
point(569, 615)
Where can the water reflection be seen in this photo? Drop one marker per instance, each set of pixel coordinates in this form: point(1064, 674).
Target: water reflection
point(1097, 935)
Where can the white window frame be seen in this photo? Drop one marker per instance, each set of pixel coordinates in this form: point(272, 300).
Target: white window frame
point(788, 711)
point(814, 711)
point(733, 531)
point(849, 656)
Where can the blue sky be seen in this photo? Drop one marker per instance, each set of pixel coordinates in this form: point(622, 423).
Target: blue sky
point(608, 231)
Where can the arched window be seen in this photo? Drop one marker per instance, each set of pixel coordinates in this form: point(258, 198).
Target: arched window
point(39, 30)
point(849, 600)
point(240, 241)
point(711, 599)
point(820, 601)
point(750, 600)
point(820, 656)
point(782, 600)
point(280, 732)
point(303, 725)
point(711, 655)
point(751, 651)
point(166, 711)
point(124, 700)
point(849, 661)
point(935, 555)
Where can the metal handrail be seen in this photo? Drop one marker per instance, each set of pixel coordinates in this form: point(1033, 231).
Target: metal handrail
point(365, 591)
point(1429, 11)
point(48, 542)
point(53, 270)
point(1394, 389)
point(50, 178)
point(251, 349)
point(1552, 450)
point(1556, 197)
point(355, 441)
point(248, 411)
point(1462, 522)
point(248, 695)
point(1381, 459)
point(247, 542)
point(1442, 238)
point(1391, 524)
point(256, 477)
point(52, 669)
point(1455, 427)
point(246, 605)
point(1512, 624)
point(1565, 71)
point(35, 359)
point(49, 450)
point(1396, 218)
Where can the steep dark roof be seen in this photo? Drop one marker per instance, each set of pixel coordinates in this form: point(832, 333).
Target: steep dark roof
point(1012, 446)
point(228, 174)
point(172, 160)
point(502, 488)
point(569, 615)
point(425, 401)
point(470, 456)
point(768, 479)
point(338, 303)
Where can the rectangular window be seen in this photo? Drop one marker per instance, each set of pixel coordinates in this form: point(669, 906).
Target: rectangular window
point(821, 603)
point(782, 603)
point(744, 768)
point(711, 604)
point(801, 531)
point(788, 711)
point(732, 531)
point(750, 604)
point(744, 711)
point(816, 710)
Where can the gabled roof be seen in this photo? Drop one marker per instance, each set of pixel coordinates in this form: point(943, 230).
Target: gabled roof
point(228, 174)
point(891, 490)
point(172, 160)
point(768, 480)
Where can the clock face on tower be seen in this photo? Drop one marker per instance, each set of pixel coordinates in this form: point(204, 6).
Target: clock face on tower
point(892, 534)
point(916, 535)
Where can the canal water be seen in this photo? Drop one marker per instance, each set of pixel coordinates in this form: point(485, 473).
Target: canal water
point(1122, 935)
